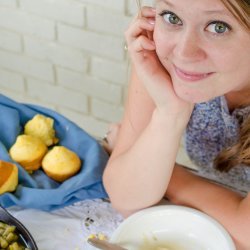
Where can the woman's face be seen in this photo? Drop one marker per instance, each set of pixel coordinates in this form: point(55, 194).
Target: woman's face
point(204, 48)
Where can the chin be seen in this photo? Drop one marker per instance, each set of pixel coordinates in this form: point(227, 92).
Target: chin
point(192, 95)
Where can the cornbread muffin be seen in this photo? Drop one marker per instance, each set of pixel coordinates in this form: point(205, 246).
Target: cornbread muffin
point(28, 151)
point(61, 163)
point(8, 177)
point(41, 127)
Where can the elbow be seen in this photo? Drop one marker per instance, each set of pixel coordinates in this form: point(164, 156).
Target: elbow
point(123, 198)
point(113, 193)
point(122, 209)
point(241, 241)
point(241, 236)
point(127, 208)
point(117, 199)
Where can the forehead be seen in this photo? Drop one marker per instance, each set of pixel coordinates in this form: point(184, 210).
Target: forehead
point(197, 6)
point(207, 4)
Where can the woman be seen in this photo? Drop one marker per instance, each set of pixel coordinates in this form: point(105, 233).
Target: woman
point(190, 74)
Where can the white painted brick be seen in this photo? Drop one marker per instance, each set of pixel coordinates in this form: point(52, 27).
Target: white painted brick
point(12, 81)
point(112, 4)
point(90, 86)
point(100, 44)
point(26, 23)
point(103, 20)
point(10, 41)
point(57, 95)
point(105, 111)
point(56, 54)
point(27, 66)
point(61, 10)
point(117, 72)
point(147, 2)
point(92, 126)
point(25, 99)
point(132, 6)
point(17, 96)
point(100, 84)
point(30, 100)
point(8, 3)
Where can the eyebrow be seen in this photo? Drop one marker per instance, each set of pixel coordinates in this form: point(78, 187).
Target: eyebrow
point(166, 2)
point(220, 11)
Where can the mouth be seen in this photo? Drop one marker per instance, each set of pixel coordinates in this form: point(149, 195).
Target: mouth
point(191, 76)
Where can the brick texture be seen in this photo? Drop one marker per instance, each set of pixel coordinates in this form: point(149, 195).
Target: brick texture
point(67, 55)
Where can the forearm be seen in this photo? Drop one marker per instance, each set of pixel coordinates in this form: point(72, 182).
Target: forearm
point(226, 206)
point(138, 177)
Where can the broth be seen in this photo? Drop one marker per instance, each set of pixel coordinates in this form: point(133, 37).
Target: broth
point(171, 244)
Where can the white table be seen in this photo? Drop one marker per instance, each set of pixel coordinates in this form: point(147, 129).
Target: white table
point(69, 227)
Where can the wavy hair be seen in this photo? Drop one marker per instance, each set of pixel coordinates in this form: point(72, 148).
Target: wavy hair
point(239, 153)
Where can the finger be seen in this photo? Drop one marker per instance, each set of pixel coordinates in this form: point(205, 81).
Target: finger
point(142, 44)
point(147, 11)
point(140, 27)
point(141, 49)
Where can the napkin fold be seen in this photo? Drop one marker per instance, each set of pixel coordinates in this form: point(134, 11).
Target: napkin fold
point(38, 190)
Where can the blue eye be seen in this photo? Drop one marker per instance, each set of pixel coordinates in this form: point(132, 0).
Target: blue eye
point(171, 18)
point(218, 27)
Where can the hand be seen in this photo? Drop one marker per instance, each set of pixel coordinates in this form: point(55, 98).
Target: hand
point(154, 76)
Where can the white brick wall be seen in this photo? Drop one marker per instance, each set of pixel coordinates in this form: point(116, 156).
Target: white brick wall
point(67, 55)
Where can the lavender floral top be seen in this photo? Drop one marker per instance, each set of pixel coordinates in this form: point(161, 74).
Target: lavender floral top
point(211, 129)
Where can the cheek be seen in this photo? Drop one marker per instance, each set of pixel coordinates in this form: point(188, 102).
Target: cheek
point(162, 43)
point(229, 58)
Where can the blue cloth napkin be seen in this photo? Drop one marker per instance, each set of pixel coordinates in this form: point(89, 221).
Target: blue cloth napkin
point(38, 190)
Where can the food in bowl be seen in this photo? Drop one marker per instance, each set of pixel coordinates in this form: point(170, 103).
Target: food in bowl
point(8, 177)
point(42, 127)
point(170, 244)
point(173, 228)
point(60, 163)
point(9, 238)
point(28, 151)
point(15, 233)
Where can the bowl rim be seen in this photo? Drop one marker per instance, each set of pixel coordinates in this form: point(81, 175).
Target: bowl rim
point(8, 218)
point(170, 207)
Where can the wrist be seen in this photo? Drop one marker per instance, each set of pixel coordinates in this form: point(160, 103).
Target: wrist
point(176, 121)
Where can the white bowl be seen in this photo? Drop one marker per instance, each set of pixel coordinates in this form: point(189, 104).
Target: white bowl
point(170, 227)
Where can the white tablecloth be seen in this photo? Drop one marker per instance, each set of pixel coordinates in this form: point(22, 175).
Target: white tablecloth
point(69, 227)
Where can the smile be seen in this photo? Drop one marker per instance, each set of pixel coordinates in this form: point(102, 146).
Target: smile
point(191, 76)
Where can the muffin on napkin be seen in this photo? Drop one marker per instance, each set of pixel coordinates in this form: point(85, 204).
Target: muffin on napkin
point(42, 127)
point(8, 177)
point(60, 163)
point(28, 151)
point(38, 190)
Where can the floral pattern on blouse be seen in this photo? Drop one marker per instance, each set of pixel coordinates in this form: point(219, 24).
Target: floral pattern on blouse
point(212, 128)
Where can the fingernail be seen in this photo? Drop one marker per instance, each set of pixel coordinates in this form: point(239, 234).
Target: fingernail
point(151, 21)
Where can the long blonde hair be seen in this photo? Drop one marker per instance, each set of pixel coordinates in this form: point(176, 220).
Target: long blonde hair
point(240, 152)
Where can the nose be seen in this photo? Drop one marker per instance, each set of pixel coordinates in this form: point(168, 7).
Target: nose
point(189, 47)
